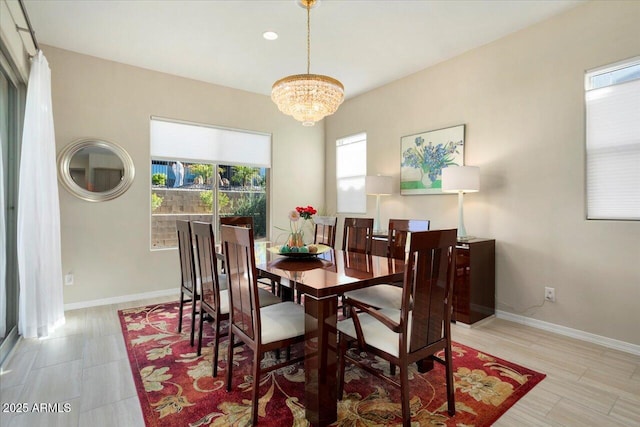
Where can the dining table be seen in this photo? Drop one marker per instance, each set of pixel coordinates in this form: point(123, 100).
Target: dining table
point(321, 279)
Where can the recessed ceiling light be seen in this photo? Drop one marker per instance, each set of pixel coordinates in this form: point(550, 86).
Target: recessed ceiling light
point(270, 35)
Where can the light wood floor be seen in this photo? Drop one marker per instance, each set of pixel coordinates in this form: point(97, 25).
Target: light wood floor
point(85, 363)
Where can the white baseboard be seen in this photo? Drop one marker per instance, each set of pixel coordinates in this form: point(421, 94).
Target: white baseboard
point(569, 332)
point(121, 299)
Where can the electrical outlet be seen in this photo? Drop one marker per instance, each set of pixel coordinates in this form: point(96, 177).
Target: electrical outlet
point(68, 279)
point(550, 294)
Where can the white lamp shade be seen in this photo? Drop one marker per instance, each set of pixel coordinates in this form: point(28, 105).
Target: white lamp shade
point(378, 184)
point(460, 178)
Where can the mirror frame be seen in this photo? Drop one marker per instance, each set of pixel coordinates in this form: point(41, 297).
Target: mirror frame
point(64, 174)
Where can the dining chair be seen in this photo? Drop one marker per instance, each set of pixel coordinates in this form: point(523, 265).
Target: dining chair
point(214, 299)
point(357, 235)
point(188, 281)
point(414, 332)
point(241, 221)
point(247, 221)
point(261, 329)
point(358, 265)
point(390, 295)
point(325, 230)
point(324, 233)
point(399, 230)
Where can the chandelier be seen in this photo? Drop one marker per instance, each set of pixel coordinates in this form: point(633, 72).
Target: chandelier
point(308, 97)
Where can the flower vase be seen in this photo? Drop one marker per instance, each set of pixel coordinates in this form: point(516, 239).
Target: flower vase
point(426, 181)
point(295, 240)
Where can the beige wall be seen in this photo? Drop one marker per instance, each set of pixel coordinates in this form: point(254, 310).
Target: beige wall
point(106, 245)
point(522, 100)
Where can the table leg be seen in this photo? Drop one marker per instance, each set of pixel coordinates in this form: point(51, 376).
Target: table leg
point(321, 362)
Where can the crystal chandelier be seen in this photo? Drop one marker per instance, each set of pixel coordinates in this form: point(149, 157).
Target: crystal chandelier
point(308, 97)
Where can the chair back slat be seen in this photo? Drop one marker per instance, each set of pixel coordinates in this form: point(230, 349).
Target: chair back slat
point(185, 251)
point(357, 235)
point(241, 270)
point(429, 283)
point(207, 264)
point(358, 265)
point(398, 235)
point(240, 221)
point(325, 231)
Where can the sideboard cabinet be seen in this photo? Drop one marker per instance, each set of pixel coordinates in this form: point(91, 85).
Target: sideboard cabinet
point(474, 287)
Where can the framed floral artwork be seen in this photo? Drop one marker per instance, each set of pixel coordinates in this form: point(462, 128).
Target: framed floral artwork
point(424, 155)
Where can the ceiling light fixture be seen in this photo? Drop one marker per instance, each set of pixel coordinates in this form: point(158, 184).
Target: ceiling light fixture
point(270, 35)
point(308, 97)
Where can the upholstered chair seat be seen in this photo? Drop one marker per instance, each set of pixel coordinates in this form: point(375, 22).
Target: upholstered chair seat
point(382, 296)
point(266, 299)
point(375, 336)
point(281, 321)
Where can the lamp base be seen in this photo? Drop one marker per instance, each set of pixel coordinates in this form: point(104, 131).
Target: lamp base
point(462, 231)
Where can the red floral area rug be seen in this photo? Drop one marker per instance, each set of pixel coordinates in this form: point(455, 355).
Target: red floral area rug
point(175, 386)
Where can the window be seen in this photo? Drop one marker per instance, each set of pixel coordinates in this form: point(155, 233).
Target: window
point(351, 169)
point(200, 173)
point(613, 141)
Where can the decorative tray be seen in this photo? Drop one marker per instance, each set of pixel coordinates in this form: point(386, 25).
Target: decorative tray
point(278, 250)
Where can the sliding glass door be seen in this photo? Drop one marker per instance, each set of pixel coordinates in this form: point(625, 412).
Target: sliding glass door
point(12, 94)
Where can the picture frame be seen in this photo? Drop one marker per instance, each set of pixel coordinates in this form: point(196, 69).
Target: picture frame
point(424, 155)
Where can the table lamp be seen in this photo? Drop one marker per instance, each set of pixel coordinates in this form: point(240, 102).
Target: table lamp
point(378, 185)
point(461, 179)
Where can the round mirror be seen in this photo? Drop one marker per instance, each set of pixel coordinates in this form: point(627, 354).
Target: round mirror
point(95, 170)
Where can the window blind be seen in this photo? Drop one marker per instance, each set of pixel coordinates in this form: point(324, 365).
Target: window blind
point(351, 170)
point(183, 141)
point(613, 148)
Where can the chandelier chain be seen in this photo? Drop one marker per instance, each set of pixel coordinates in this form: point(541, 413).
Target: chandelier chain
point(308, 37)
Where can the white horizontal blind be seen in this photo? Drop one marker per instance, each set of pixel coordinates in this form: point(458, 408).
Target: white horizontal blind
point(182, 141)
point(351, 170)
point(613, 143)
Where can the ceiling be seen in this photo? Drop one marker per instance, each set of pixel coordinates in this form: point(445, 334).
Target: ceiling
point(365, 44)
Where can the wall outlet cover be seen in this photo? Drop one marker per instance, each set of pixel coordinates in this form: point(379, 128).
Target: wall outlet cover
point(550, 294)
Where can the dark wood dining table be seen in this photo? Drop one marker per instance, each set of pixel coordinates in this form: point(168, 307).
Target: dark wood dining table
point(322, 279)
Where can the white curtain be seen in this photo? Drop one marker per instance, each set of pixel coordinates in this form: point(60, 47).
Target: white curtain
point(39, 258)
